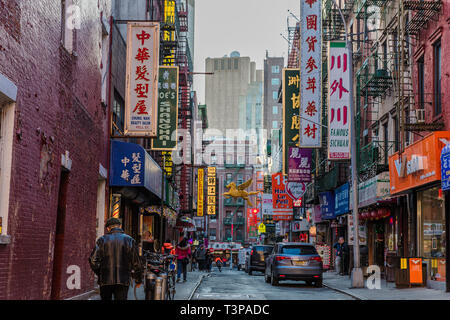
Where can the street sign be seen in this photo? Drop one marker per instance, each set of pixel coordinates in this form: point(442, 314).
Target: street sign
point(445, 168)
point(262, 228)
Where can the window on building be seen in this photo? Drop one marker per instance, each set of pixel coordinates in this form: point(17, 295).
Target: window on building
point(421, 82)
point(396, 133)
point(386, 142)
point(275, 81)
point(275, 109)
point(6, 142)
point(274, 124)
point(222, 66)
point(216, 64)
point(68, 11)
point(385, 57)
point(431, 230)
point(118, 114)
point(275, 95)
point(229, 64)
point(236, 64)
point(275, 69)
point(229, 176)
point(212, 232)
point(437, 78)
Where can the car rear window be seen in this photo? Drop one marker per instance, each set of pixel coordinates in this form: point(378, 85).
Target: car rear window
point(262, 249)
point(298, 250)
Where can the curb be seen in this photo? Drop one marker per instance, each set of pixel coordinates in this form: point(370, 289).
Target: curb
point(344, 292)
point(197, 285)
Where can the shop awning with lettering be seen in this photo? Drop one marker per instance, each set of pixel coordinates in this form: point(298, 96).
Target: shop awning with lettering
point(132, 166)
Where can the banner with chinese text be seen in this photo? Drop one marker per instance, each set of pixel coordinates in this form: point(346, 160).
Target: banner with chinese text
point(310, 73)
point(291, 120)
point(339, 120)
point(200, 204)
point(282, 202)
point(141, 96)
point(167, 112)
point(211, 207)
point(299, 165)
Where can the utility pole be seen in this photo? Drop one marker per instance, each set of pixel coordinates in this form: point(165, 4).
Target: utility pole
point(357, 275)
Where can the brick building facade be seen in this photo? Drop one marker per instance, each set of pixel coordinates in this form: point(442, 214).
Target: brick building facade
point(59, 145)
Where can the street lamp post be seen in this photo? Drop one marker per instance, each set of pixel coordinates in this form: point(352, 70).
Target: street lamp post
point(357, 275)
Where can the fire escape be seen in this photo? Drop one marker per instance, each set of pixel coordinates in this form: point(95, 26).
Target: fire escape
point(411, 109)
point(184, 62)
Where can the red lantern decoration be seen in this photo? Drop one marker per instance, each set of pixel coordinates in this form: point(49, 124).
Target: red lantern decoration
point(373, 214)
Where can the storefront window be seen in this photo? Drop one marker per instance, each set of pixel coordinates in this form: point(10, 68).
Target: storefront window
point(432, 231)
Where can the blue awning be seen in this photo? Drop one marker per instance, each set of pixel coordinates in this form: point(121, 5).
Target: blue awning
point(132, 166)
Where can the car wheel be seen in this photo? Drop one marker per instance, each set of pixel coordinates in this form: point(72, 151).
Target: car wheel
point(273, 280)
point(318, 283)
point(309, 282)
point(266, 277)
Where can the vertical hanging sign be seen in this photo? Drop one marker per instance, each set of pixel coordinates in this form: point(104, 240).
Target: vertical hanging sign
point(339, 120)
point(310, 73)
point(167, 112)
point(200, 177)
point(291, 119)
point(141, 95)
point(211, 208)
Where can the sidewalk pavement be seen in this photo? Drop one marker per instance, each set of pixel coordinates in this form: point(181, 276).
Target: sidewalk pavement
point(388, 291)
point(184, 290)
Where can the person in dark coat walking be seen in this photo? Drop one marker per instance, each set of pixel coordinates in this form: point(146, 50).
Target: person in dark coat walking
point(115, 260)
point(201, 257)
point(342, 255)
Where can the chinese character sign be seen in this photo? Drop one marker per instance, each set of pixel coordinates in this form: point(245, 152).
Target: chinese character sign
point(211, 208)
point(141, 78)
point(327, 205)
point(252, 224)
point(167, 112)
point(200, 177)
point(339, 120)
point(127, 165)
point(445, 168)
point(281, 199)
point(299, 165)
point(310, 129)
point(291, 119)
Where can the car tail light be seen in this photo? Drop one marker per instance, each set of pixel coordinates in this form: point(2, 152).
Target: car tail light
point(251, 252)
point(282, 275)
point(279, 258)
point(318, 259)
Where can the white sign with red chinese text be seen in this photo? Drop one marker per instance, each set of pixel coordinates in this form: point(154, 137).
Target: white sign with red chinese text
point(310, 73)
point(339, 120)
point(142, 79)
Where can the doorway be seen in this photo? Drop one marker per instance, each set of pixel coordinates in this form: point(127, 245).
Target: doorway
point(58, 251)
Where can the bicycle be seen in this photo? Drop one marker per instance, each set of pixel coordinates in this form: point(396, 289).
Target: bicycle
point(157, 264)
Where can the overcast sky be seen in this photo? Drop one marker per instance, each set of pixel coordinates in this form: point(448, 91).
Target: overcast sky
point(248, 26)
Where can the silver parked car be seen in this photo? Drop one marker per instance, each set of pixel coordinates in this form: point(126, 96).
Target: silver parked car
point(294, 261)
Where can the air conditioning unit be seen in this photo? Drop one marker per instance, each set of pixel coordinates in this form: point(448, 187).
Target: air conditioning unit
point(420, 115)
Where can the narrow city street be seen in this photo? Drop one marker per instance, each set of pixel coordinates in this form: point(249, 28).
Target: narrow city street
point(238, 285)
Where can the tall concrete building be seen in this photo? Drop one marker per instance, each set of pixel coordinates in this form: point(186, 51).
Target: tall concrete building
point(227, 90)
point(273, 113)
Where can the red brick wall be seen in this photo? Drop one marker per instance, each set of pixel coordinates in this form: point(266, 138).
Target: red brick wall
point(58, 108)
point(425, 45)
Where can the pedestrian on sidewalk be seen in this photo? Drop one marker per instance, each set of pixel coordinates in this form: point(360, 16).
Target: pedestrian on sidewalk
point(115, 260)
point(201, 257)
point(183, 252)
point(342, 255)
point(209, 259)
